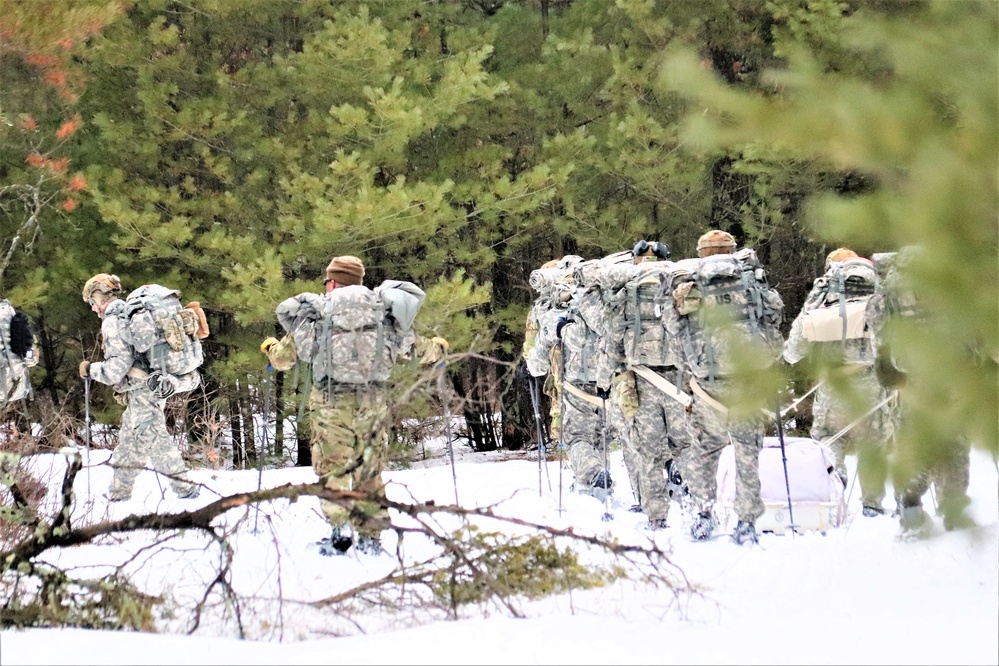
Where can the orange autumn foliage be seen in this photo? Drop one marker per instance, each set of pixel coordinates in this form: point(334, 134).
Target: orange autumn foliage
point(76, 183)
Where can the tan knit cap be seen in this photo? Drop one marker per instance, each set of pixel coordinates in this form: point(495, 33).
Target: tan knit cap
point(346, 270)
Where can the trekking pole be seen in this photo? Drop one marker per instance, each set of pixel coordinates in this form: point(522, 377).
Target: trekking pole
point(532, 385)
point(561, 438)
point(787, 481)
point(603, 434)
point(444, 396)
point(264, 436)
point(86, 427)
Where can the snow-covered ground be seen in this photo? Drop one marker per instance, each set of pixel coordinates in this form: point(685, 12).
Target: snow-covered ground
point(856, 594)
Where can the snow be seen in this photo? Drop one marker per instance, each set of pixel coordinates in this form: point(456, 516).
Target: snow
point(855, 594)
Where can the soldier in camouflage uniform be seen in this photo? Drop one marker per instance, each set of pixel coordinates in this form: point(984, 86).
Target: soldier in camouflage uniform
point(548, 300)
point(578, 332)
point(849, 389)
point(715, 425)
point(947, 465)
point(15, 382)
point(656, 426)
point(349, 419)
point(143, 435)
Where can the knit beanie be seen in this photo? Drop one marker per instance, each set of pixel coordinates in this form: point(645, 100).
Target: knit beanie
point(345, 270)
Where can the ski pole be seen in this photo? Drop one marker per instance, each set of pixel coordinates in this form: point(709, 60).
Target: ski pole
point(787, 482)
point(444, 396)
point(533, 389)
point(561, 438)
point(266, 440)
point(86, 404)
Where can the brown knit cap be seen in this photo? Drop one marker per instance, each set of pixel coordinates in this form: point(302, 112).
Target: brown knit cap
point(346, 270)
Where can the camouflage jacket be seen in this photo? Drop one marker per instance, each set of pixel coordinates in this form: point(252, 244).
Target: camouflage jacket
point(352, 358)
point(855, 351)
point(581, 340)
point(119, 357)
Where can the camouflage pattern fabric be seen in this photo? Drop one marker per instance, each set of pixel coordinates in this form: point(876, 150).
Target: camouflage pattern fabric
point(553, 379)
point(850, 388)
point(583, 434)
point(713, 431)
point(838, 403)
point(349, 452)
point(349, 427)
point(15, 383)
point(143, 436)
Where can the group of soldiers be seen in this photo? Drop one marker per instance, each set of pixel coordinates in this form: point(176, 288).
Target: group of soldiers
point(659, 355)
point(634, 347)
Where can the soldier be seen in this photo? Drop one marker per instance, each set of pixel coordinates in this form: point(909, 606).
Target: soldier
point(17, 355)
point(947, 464)
point(723, 297)
point(545, 282)
point(830, 329)
point(657, 425)
point(143, 435)
point(352, 345)
point(577, 331)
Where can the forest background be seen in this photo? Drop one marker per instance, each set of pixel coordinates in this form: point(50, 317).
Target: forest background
point(229, 148)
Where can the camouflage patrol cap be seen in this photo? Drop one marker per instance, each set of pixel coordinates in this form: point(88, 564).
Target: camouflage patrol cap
point(840, 254)
point(715, 241)
point(102, 282)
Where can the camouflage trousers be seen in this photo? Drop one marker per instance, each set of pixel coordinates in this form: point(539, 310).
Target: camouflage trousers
point(582, 428)
point(949, 472)
point(714, 430)
point(143, 438)
point(658, 430)
point(349, 452)
point(838, 403)
point(554, 393)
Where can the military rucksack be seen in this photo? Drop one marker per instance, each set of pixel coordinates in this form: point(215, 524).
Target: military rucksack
point(15, 331)
point(165, 334)
point(637, 291)
point(837, 308)
point(360, 332)
point(721, 306)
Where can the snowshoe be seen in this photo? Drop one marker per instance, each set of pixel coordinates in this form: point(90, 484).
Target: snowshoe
point(873, 511)
point(369, 545)
point(915, 522)
point(745, 532)
point(703, 527)
point(656, 524)
point(336, 543)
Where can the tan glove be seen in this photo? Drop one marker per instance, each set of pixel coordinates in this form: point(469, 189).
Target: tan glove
point(265, 346)
point(84, 369)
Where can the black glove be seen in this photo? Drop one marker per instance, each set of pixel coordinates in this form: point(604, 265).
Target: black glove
point(161, 385)
point(603, 393)
point(562, 321)
point(522, 373)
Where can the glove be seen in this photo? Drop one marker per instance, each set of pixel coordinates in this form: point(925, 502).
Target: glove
point(562, 321)
point(161, 385)
point(85, 369)
point(603, 393)
point(523, 374)
point(441, 342)
point(265, 346)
